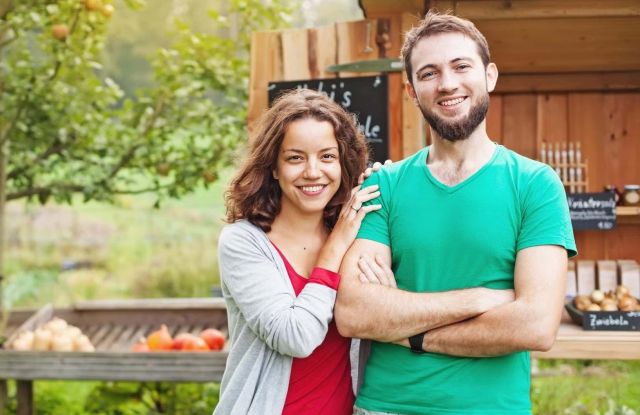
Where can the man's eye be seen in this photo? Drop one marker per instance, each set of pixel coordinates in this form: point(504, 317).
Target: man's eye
point(426, 75)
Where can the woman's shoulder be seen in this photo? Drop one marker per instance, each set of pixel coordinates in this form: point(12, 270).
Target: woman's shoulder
point(241, 230)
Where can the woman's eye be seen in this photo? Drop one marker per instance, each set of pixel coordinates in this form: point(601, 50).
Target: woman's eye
point(329, 156)
point(294, 158)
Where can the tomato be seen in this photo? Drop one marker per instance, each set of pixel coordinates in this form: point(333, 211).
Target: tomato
point(214, 338)
point(160, 340)
point(194, 344)
point(178, 341)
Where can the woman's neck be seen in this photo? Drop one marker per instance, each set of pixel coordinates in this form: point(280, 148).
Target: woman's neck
point(295, 225)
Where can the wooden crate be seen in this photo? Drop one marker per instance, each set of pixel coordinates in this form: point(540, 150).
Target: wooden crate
point(113, 327)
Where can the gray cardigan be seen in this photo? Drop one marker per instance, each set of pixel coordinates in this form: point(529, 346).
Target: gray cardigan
point(268, 324)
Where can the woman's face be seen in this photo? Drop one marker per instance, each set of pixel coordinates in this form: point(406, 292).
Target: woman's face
point(308, 168)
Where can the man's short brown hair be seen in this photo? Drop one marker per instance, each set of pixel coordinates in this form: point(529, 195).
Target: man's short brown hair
point(435, 23)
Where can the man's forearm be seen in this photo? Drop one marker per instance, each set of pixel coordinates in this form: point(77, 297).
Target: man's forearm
point(382, 313)
point(505, 329)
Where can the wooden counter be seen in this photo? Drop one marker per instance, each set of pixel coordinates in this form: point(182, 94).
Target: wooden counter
point(573, 342)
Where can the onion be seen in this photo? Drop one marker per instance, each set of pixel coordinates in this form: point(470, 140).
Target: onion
point(61, 343)
point(24, 341)
point(57, 325)
point(597, 296)
point(42, 340)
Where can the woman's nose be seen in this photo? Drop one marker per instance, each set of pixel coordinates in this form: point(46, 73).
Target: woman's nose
point(312, 170)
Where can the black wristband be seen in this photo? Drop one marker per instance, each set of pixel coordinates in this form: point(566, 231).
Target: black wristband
point(416, 343)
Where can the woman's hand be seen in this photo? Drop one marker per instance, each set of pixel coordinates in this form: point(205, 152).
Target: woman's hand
point(370, 170)
point(346, 228)
point(353, 212)
point(375, 271)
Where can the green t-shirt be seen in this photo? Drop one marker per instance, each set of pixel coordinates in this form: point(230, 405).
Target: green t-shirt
point(446, 238)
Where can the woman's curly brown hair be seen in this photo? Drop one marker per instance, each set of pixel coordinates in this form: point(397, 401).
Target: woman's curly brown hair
point(255, 195)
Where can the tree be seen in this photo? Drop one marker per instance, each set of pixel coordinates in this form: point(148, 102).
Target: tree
point(66, 129)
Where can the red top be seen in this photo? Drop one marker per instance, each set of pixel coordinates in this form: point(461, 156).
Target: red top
point(320, 383)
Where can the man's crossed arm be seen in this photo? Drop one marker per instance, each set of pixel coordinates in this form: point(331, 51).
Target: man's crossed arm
point(470, 322)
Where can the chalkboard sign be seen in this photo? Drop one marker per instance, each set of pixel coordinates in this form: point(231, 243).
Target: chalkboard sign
point(611, 320)
point(592, 210)
point(365, 97)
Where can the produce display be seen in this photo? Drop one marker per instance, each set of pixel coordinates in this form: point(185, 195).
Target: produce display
point(620, 300)
point(55, 335)
point(161, 341)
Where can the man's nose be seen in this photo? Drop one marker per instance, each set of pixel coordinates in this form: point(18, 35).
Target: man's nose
point(448, 82)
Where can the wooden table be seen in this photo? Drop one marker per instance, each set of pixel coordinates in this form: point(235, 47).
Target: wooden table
point(113, 326)
point(112, 360)
point(573, 342)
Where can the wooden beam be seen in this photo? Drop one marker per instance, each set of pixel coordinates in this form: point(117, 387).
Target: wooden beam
point(295, 54)
point(569, 82)
point(500, 9)
point(356, 41)
point(605, 44)
point(266, 66)
point(3, 396)
point(413, 132)
point(374, 9)
point(24, 396)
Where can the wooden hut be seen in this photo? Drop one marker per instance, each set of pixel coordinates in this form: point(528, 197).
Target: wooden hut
point(569, 72)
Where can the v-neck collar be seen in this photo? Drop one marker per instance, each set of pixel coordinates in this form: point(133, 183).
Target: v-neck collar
point(455, 188)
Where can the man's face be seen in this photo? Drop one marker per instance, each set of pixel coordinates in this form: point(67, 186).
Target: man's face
point(450, 84)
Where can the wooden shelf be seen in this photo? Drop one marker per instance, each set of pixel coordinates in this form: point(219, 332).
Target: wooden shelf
point(628, 215)
point(573, 342)
point(627, 210)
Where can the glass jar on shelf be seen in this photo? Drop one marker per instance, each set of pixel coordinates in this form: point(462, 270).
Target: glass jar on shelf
point(616, 193)
point(631, 195)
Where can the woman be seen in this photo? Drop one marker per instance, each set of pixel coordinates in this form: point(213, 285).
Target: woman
point(294, 209)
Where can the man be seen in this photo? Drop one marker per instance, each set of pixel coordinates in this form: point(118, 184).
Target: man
point(464, 222)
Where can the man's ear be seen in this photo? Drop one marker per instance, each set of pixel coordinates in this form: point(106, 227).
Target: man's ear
point(492, 76)
point(411, 92)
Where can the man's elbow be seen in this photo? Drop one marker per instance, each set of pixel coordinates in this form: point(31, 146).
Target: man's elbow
point(543, 338)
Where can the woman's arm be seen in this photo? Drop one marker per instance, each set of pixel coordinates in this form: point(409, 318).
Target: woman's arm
point(290, 325)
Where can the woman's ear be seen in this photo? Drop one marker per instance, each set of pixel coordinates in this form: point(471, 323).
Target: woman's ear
point(274, 174)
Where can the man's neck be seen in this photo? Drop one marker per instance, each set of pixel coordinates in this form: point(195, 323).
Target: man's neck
point(452, 162)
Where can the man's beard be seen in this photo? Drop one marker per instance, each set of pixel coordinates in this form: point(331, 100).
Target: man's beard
point(458, 130)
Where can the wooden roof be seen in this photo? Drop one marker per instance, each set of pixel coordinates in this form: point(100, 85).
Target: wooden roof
point(543, 36)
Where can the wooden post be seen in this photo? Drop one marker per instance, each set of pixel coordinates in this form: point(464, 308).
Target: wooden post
point(25, 397)
point(3, 396)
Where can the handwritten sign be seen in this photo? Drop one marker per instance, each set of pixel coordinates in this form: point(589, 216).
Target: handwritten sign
point(366, 97)
point(592, 210)
point(611, 320)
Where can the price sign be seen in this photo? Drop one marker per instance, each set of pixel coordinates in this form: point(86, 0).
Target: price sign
point(592, 211)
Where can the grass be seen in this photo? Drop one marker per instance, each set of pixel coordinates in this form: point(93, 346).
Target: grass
point(124, 250)
point(588, 388)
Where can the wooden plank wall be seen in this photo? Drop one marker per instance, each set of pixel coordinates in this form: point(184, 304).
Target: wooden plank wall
point(306, 53)
point(608, 126)
point(531, 103)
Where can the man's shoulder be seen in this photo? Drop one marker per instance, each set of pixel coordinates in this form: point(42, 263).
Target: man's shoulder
point(390, 174)
point(525, 167)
